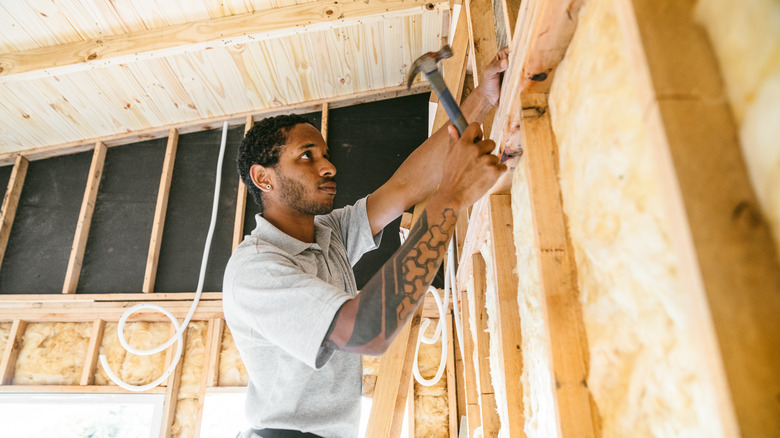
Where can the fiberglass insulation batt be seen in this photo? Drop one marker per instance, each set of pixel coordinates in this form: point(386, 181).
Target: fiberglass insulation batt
point(644, 361)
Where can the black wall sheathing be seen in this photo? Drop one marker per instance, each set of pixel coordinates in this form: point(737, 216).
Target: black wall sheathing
point(39, 245)
point(118, 242)
point(5, 176)
point(189, 212)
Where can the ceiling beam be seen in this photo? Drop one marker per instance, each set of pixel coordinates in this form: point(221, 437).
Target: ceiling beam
point(201, 35)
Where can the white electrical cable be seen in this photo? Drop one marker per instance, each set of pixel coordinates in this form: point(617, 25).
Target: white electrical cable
point(449, 289)
point(177, 337)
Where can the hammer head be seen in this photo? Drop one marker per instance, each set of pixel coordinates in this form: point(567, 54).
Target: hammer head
point(427, 63)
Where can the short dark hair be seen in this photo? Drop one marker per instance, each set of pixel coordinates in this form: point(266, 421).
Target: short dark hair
point(262, 145)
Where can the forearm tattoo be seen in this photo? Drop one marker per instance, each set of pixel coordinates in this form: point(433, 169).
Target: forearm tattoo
point(392, 295)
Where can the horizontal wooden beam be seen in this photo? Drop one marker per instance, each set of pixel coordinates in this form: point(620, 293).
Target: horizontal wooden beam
point(214, 122)
point(109, 311)
point(201, 35)
point(75, 389)
point(96, 298)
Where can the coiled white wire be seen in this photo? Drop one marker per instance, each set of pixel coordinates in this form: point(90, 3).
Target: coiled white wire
point(177, 337)
point(449, 290)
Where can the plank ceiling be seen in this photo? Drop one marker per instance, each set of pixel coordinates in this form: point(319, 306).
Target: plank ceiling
point(80, 70)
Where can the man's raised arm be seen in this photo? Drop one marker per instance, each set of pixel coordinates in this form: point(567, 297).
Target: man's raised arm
point(368, 323)
point(421, 172)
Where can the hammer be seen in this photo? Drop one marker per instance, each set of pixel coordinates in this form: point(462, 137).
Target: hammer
point(428, 65)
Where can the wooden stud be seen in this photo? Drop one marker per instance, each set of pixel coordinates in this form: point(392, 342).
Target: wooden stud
point(11, 201)
point(324, 124)
point(728, 263)
point(212, 375)
point(95, 298)
point(177, 39)
point(238, 225)
point(393, 378)
point(483, 45)
point(460, 372)
point(508, 314)
point(12, 347)
point(74, 389)
point(410, 412)
point(469, 372)
point(95, 340)
point(212, 341)
point(75, 311)
point(491, 423)
point(558, 276)
point(452, 397)
point(160, 210)
point(85, 220)
point(172, 392)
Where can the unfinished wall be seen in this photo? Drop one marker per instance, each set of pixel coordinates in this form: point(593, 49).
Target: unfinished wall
point(538, 398)
point(52, 353)
point(745, 35)
point(644, 365)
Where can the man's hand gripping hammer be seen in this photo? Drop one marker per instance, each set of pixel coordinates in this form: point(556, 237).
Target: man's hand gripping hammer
point(428, 65)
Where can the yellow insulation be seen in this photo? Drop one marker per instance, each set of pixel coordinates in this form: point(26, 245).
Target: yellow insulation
point(191, 376)
point(538, 397)
point(644, 367)
point(431, 410)
point(133, 369)
point(231, 369)
point(5, 330)
point(52, 353)
point(745, 35)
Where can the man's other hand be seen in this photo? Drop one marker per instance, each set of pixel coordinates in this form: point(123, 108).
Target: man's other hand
point(490, 82)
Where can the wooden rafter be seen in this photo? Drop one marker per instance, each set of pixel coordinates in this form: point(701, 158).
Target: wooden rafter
point(728, 262)
point(159, 212)
point(85, 220)
point(95, 340)
point(200, 35)
point(11, 352)
point(10, 202)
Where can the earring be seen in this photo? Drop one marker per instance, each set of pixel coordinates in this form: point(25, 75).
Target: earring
point(268, 186)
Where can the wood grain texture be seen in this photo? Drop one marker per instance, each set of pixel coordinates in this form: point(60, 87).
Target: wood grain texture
point(558, 276)
point(483, 45)
point(469, 373)
point(11, 352)
point(10, 202)
point(723, 243)
point(159, 211)
point(95, 341)
point(172, 393)
point(193, 37)
point(84, 220)
point(491, 423)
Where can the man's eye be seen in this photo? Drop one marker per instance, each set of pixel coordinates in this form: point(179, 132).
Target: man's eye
point(306, 155)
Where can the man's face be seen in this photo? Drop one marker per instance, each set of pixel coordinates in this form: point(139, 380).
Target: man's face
point(304, 174)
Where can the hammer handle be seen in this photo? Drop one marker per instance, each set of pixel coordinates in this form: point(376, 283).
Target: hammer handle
point(452, 108)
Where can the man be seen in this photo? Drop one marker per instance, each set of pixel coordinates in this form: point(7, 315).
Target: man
point(289, 296)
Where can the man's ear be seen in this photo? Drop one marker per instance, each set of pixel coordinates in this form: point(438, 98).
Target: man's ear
point(261, 177)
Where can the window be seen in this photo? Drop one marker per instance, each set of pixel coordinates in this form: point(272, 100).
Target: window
point(81, 415)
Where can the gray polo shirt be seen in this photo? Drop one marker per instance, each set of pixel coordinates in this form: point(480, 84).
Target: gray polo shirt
point(279, 297)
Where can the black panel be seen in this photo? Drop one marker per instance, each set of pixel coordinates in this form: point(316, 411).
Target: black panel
point(5, 176)
point(189, 212)
point(368, 143)
point(39, 246)
point(118, 243)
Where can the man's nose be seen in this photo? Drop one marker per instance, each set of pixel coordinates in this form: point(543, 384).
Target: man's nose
point(327, 168)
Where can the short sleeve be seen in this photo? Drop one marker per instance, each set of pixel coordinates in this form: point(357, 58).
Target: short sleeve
point(285, 306)
point(351, 222)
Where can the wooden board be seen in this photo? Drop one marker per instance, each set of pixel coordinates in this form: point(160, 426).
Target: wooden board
point(85, 220)
point(11, 352)
point(159, 211)
point(727, 258)
point(95, 341)
point(10, 202)
point(241, 198)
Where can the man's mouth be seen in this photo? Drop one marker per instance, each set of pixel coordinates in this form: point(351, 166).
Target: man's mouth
point(328, 187)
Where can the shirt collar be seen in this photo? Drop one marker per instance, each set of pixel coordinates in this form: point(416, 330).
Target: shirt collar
point(268, 232)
